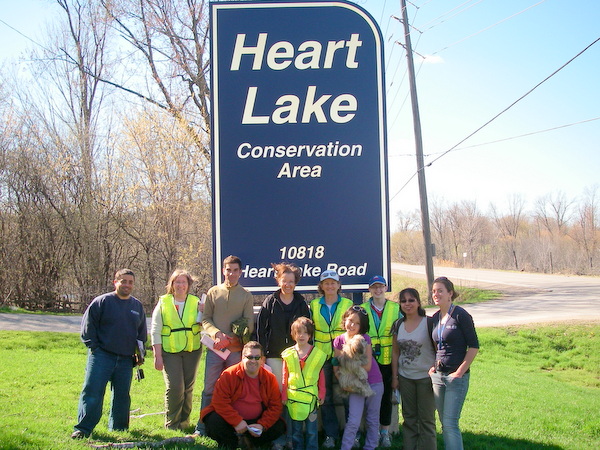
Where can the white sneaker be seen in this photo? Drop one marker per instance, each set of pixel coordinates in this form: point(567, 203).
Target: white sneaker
point(386, 441)
point(329, 442)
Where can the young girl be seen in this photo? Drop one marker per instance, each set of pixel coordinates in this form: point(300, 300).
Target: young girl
point(356, 321)
point(303, 384)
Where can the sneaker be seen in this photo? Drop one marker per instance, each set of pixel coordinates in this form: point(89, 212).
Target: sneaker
point(386, 441)
point(78, 434)
point(329, 442)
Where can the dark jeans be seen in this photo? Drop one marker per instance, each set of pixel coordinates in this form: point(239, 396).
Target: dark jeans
point(101, 368)
point(328, 414)
point(222, 432)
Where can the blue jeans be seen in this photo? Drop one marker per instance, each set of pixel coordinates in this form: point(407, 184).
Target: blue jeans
point(214, 365)
point(305, 433)
point(450, 393)
point(101, 368)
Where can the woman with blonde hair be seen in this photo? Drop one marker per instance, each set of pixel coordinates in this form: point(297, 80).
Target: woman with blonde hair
point(175, 334)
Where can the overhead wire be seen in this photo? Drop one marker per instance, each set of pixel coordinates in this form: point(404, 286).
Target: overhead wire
point(455, 147)
point(515, 102)
point(482, 144)
point(488, 27)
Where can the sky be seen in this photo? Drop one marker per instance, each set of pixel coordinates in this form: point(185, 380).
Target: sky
point(474, 59)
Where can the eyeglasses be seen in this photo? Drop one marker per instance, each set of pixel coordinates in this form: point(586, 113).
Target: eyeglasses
point(255, 358)
point(410, 300)
point(359, 309)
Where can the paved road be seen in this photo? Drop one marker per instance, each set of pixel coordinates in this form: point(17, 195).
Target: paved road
point(527, 298)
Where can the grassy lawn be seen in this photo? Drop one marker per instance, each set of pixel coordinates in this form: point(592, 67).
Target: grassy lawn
point(466, 294)
point(531, 387)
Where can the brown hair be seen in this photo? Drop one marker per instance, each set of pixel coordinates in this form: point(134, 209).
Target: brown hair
point(282, 268)
point(119, 273)
point(449, 285)
point(232, 260)
point(305, 322)
point(174, 276)
point(253, 344)
point(322, 292)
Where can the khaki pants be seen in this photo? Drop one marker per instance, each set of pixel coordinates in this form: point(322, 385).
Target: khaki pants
point(180, 376)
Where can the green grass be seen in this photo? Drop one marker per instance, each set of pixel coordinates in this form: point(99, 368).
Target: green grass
point(466, 295)
point(17, 310)
point(532, 387)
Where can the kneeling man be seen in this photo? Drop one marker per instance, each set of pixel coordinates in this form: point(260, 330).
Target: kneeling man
point(246, 403)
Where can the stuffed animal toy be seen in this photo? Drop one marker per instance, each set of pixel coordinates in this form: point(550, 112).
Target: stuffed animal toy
point(352, 377)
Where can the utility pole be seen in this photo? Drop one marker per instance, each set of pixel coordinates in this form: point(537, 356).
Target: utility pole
point(419, 152)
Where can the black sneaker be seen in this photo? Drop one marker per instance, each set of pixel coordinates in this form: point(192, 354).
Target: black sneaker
point(78, 434)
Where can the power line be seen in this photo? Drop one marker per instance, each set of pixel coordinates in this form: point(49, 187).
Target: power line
point(22, 34)
point(515, 102)
point(531, 133)
point(487, 28)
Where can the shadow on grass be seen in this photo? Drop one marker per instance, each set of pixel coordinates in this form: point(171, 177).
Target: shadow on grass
point(100, 439)
point(486, 442)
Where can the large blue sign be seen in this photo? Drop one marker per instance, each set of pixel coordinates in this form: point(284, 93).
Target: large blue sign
point(298, 140)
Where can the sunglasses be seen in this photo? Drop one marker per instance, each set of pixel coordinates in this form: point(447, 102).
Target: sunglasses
point(359, 309)
point(255, 358)
point(410, 300)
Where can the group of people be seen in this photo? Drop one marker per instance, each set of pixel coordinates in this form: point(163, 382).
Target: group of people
point(269, 391)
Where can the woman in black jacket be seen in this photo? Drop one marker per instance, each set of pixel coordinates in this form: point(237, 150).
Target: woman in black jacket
point(277, 313)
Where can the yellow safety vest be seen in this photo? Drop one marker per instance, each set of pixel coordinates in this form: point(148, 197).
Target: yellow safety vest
point(179, 334)
point(383, 334)
point(325, 333)
point(303, 384)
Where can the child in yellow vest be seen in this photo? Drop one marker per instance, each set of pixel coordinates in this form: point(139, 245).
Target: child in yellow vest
point(303, 384)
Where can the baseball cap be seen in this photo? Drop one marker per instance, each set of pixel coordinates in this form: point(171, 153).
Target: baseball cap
point(377, 279)
point(330, 274)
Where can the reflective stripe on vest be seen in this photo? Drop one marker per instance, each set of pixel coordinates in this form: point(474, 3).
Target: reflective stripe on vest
point(383, 335)
point(303, 384)
point(324, 333)
point(179, 334)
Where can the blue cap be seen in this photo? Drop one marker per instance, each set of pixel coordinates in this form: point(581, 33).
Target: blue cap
point(377, 279)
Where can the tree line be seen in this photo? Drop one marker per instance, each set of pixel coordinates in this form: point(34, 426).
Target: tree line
point(555, 235)
point(104, 153)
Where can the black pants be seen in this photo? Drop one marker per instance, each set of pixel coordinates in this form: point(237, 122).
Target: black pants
point(219, 430)
point(385, 414)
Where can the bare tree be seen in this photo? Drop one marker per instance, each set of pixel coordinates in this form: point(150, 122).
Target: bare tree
point(437, 218)
point(587, 229)
point(170, 37)
point(510, 224)
point(167, 202)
